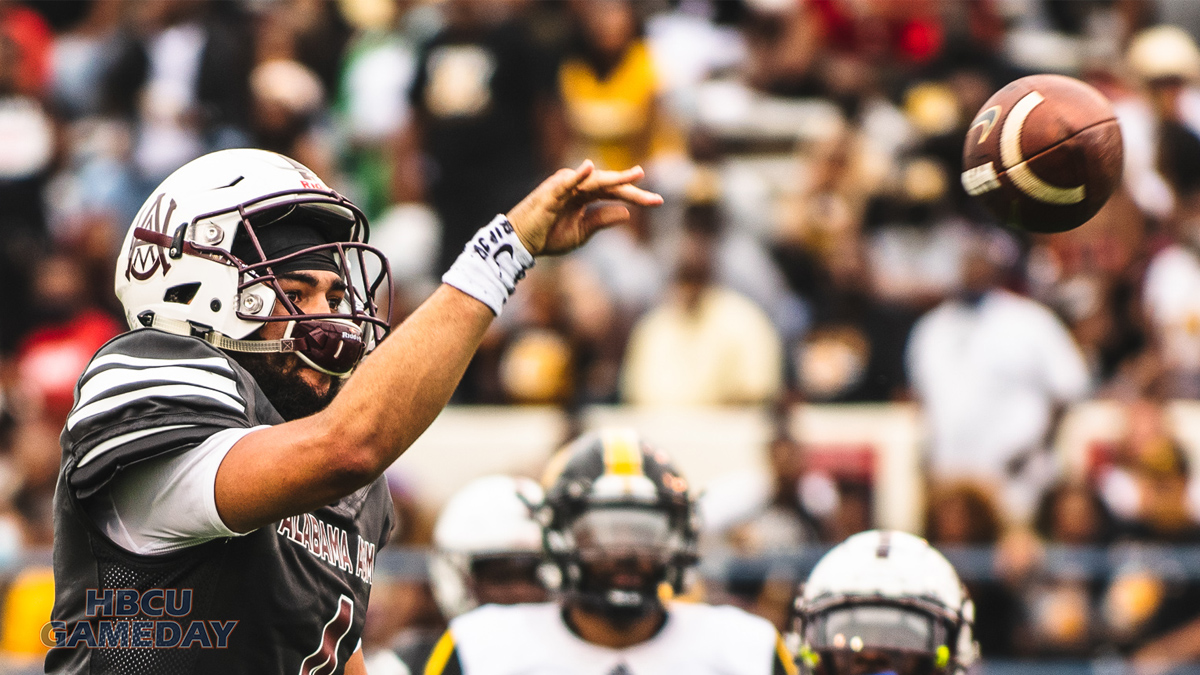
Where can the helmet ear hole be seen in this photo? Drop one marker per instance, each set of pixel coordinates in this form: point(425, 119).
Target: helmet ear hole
point(182, 294)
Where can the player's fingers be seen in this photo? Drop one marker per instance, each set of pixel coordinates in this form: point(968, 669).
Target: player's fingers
point(634, 195)
point(601, 180)
point(568, 180)
point(602, 216)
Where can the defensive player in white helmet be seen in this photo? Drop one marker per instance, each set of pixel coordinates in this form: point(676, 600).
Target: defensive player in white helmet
point(222, 464)
point(488, 547)
point(487, 550)
point(884, 603)
point(620, 527)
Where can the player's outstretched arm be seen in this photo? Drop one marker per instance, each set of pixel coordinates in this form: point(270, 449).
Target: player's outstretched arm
point(401, 387)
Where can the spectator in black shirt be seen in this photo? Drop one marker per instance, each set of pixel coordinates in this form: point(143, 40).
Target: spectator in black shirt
point(483, 130)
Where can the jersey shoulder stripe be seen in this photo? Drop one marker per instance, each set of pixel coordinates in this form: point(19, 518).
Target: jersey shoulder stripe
point(785, 663)
point(147, 393)
point(103, 360)
point(443, 660)
point(146, 377)
point(126, 438)
point(118, 379)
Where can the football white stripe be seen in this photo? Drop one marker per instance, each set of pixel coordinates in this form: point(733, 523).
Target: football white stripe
point(165, 390)
point(1022, 177)
point(979, 180)
point(110, 379)
point(126, 438)
point(1028, 182)
point(125, 360)
point(1010, 134)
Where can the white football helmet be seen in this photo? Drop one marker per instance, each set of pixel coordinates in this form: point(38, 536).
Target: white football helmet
point(489, 518)
point(193, 261)
point(884, 602)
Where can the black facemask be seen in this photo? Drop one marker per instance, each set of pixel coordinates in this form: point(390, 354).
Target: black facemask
point(620, 617)
point(622, 606)
point(279, 377)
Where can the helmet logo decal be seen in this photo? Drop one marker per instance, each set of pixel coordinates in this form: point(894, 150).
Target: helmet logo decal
point(146, 258)
point(885, 544)
point(674, 483)
point(308, 179)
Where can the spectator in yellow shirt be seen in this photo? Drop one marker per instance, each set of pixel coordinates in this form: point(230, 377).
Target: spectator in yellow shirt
point(705, 345)
point(610, 88)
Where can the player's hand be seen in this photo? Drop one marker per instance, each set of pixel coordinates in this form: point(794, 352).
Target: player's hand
point(555, 217)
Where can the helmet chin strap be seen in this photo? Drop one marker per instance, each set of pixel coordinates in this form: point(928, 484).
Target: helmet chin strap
point(286, 345)
point(619, 615)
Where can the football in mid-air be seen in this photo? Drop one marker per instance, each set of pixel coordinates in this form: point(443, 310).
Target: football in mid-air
point(1044, 153)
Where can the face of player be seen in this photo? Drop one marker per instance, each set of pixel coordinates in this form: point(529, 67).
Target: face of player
point(628, 571)
point(622, 550)
point(877, 640)
point(507, 579)
point(311, 291)
point(875, 662)
point(295, 389)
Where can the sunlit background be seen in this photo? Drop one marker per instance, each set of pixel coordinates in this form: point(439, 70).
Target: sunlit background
point(819, 325)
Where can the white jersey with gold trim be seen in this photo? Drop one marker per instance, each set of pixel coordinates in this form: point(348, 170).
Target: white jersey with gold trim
point(533, 639)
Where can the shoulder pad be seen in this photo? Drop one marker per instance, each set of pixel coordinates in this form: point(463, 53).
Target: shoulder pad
point(148, 393)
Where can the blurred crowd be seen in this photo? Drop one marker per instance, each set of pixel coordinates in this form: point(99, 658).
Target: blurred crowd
point(816, 244)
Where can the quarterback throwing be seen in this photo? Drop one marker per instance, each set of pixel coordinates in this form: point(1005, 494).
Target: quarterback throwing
point(221, 450)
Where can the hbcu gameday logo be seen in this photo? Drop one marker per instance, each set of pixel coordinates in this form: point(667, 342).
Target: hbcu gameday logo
point(125, 618)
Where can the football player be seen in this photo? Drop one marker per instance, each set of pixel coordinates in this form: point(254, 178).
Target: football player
point(218, 508)
point(620, 527)
point(884, 603)
point(487, 546)
point(487, 550)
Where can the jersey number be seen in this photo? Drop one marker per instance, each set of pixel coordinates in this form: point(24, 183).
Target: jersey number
point(324, 661)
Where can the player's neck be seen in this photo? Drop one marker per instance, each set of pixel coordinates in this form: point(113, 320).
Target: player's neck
point(598, 630)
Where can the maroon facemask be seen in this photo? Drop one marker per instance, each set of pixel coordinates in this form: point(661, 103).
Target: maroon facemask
point(333, 342)
point(331, 346)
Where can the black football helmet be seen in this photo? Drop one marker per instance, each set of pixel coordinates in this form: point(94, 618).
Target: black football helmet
point(618, 523)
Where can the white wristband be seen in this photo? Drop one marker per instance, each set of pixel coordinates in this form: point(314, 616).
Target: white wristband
point(491, 264)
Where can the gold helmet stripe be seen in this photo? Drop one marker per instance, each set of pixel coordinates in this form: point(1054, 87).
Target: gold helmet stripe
point(622, 452)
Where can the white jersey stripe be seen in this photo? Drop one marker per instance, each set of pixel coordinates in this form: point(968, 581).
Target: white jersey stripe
point(165, 390)
point(113, 378)
point(126, 360)
point(125, 438)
